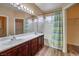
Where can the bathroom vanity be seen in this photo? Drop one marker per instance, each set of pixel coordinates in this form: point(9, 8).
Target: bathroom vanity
point(23, 45)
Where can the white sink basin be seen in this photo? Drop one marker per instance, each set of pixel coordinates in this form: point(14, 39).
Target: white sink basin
point(18, 39)
point(7, 42)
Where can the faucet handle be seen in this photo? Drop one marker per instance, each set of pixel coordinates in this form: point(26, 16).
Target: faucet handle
point(14, 37)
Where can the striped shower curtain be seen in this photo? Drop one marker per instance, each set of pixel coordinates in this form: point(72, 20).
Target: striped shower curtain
point(58, 30)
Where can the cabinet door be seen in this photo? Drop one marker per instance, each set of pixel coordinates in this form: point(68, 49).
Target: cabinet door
point(34, 46)
point(40, 42)
point(23, 49)
point(10, 52)
point(27, 50)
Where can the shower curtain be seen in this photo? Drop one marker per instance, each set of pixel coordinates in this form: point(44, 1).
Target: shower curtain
point(57, 37)
point(53, 30)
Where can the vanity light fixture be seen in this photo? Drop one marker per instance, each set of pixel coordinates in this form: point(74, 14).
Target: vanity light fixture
point(19, 6)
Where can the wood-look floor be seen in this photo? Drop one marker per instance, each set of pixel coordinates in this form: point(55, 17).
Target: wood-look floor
point(48, 51)
point(73, 50)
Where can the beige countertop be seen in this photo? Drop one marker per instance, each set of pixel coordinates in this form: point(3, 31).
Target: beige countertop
point(7, 43)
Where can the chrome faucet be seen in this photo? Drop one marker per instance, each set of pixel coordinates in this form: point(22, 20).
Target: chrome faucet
point(35, 33)
point(13, 38)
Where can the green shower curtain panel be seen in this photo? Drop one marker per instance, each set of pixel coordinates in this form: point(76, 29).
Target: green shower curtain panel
point(58, 30)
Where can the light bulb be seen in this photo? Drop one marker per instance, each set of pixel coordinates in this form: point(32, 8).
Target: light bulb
point(19, 8)
point(17, 3)
point(14, 4)
point(24, 8)
point(32, 12)
point(27, 9)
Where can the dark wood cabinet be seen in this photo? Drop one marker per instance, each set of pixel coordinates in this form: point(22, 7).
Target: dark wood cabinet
point(29, 48)
point(34, 46)
point(40, 42)
point(10, 52)
point(23, 49)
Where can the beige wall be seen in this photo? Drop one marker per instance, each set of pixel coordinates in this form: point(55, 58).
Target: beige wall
point(73, 25)
point(11, 14)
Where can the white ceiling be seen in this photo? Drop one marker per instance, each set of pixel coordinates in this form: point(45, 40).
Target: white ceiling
point(47, 7)
point(39, 8)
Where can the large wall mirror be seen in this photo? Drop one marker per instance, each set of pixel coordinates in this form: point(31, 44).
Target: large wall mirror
point(15, 22)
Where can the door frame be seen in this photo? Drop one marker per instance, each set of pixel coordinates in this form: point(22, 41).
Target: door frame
point(15, 25)
point(65, 26)
point(7, 24)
